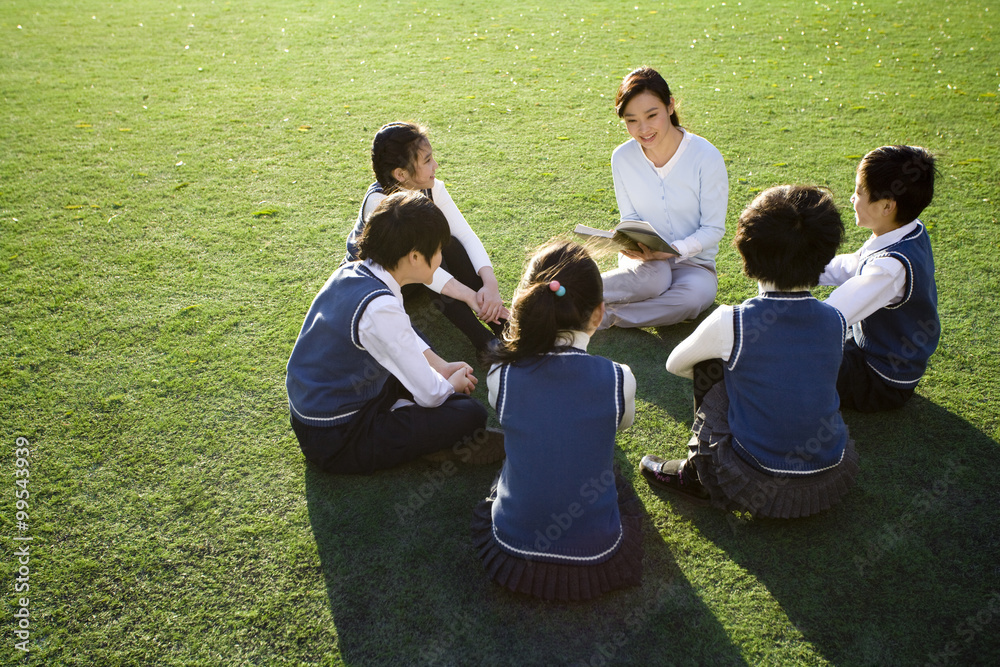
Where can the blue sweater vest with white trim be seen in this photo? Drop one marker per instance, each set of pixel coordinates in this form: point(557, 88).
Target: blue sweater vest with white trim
point(784, 411)
point(899, 339)
point(556, 498)
point(330, 376)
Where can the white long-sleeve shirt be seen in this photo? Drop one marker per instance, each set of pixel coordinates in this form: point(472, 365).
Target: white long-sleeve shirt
point(880, 283)
point(685, 200)
point(386, 333)
point(713, 339)
point(459, 227)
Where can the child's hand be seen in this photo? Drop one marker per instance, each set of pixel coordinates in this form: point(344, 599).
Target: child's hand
point(461, 378)
point(647, 254)
point(490, 304)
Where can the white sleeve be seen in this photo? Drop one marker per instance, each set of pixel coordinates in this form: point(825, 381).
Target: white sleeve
point(713, 339)
point(385, 332)
point(629, 390)
point(626, 210)
point(880, 283)
point(688, 247)
point(493, 384)
point(840, 269)
point(441, 277)
point(460, 229)
point(374, 199)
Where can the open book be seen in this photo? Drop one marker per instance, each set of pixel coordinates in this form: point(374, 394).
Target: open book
point(628, 234)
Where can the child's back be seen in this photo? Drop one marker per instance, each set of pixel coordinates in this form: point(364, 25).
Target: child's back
point(769, 438)
point(559, 523)
point(560, 413)
point(781, 381)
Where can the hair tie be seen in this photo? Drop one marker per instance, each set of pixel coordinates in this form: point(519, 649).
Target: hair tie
point(557, 288)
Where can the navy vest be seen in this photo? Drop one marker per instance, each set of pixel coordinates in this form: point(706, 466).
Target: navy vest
point(784, 411)
point(330, 376)
point(556, 498)
point(899, 339)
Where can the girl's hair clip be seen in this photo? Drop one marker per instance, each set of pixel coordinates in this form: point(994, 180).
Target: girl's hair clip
point(557, 288)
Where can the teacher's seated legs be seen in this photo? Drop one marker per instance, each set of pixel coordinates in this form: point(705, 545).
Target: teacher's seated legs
point(690, 293)
point(634, 280)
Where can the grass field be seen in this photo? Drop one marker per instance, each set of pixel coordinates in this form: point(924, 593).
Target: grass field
point(176, 183)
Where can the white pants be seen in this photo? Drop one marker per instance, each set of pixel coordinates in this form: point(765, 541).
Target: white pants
point(656, 293)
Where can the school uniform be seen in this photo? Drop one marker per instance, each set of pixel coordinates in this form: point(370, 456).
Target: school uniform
point(461, 258)
point(361, 393)
point(888, 295)
point(559, 523)
point(768, 435)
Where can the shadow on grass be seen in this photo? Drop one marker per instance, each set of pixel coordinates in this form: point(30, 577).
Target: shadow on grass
point(405, 586)
point(646, 354)
point(903, 572)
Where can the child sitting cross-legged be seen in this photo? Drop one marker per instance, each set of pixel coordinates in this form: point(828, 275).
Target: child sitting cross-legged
point(768, 435)
point(559, 523)
point(465, 285)
point(365, 392)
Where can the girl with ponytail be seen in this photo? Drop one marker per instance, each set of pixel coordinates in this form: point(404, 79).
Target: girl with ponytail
point(559, 522)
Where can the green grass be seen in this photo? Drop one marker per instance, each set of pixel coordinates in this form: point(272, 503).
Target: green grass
point(176, 183)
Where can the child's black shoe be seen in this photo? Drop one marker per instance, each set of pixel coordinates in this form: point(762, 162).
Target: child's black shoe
point(675, 477)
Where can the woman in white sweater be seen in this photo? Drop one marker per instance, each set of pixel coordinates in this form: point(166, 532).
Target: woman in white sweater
point(465, 286)
point(676, 181)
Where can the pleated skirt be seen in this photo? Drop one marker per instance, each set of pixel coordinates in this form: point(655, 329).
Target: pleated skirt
point(558, 581)
point(735, 485)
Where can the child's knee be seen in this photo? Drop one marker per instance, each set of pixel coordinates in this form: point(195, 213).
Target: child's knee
point(469, 411)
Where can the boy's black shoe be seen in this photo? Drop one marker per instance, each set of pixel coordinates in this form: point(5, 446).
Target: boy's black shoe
point(674, 476)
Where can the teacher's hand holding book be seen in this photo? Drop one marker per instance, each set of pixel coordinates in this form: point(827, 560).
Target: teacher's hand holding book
point(645, 253)
point(635, 238)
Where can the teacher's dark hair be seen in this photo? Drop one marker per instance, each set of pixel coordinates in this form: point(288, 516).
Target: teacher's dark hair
point(538, 314)
point(396, 145)
point(788, 234)
point(402, 222)
point(639, 81)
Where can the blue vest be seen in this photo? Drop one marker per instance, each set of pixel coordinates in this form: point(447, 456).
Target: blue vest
point(330, 376)
point(359, 224)
point(556, 498)
point(784, 411)
point(897, 340)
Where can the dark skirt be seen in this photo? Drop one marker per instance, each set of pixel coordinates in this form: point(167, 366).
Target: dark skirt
point(558, 581)
point(734, 484)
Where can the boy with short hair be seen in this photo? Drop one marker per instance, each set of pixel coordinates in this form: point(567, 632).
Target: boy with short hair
point(365, 392)
point(886, 290)
point(768, 435)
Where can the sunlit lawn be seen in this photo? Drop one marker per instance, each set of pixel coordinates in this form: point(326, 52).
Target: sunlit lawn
point(176, 183)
